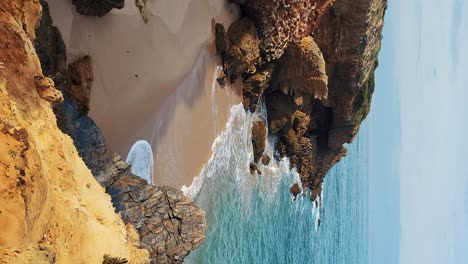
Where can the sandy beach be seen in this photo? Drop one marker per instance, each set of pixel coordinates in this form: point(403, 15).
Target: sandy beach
point(154, 81)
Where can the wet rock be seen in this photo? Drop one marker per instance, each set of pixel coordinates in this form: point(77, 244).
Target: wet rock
point(97, 8)
point(266, 159)
point(252, 168)
point(280, 108)
point(259, 132)
point(295, 190)
point(221, 79)
point(254, 87)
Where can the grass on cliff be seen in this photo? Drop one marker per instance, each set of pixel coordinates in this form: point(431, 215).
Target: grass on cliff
point(363, 100)
point(107, 259)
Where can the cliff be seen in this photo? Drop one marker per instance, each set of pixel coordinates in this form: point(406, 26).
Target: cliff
point(312, 63)
point(48, 200)
point(169, 224)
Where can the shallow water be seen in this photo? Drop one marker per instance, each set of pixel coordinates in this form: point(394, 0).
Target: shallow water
point(252, 218)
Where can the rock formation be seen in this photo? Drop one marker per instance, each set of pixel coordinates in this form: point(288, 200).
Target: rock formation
point(312, 62)
point(168, 223)
point(97, 7)
point(48, 198)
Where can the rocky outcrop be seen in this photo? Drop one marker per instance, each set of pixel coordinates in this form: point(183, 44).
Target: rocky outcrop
point(97, 8)
point(280, 22)
point(315, 72)
point(169, 224)
point(51, 207)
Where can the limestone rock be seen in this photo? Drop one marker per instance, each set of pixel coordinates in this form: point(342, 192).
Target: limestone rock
point(352, 57)
point(238, 48)
point(254, 87)
point(45, 87)
point(301, 70)
point(281, 22)
point(97, 7)
point(317, 89)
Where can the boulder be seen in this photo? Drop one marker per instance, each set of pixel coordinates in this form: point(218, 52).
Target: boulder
point(97, 8)
point(259, 133)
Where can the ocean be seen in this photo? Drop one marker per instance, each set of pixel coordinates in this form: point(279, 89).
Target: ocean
point(253, 218)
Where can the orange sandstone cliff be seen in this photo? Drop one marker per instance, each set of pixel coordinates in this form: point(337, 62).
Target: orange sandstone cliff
point(51, 207)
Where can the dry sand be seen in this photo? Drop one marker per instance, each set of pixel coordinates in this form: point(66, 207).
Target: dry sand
point(154, 81)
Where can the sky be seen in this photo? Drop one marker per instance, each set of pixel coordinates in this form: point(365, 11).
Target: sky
point(423, 64)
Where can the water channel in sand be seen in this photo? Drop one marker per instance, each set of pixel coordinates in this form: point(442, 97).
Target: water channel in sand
point(154, 81)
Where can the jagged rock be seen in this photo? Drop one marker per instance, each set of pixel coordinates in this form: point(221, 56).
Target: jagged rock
point(169, 224)
point(45, 87)
point(238, 48)
point(301, 70)
point(281, 22)
point(280, 108)
point(254, 87)
point(97, 7)
point(259, 133)
point(317, 90)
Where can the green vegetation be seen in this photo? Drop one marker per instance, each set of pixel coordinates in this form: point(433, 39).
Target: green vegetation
point(113, 260)
point(363, 100)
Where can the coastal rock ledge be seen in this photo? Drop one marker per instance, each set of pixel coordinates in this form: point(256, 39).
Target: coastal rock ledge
point(312, 63)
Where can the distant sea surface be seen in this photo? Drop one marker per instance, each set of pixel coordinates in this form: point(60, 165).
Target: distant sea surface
point(252, 218)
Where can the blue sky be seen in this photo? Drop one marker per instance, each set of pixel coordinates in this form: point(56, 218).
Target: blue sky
point(424, 59)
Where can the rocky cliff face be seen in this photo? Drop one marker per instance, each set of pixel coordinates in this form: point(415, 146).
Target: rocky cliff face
point(48, 208)
point(312, 62)
point(168, 223)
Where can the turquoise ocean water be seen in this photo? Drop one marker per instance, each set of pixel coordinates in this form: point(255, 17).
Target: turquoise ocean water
point(252, 218)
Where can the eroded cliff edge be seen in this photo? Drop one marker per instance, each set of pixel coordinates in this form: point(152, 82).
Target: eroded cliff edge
point(312, 63)
point(48, 208)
